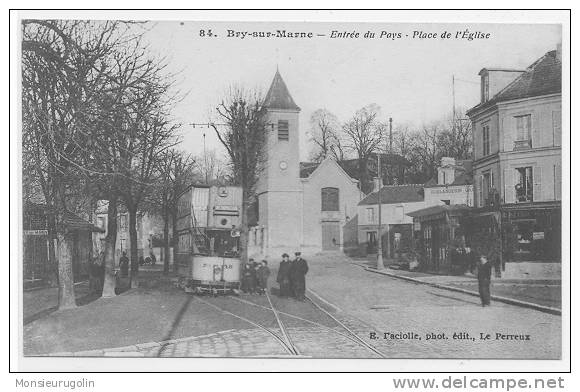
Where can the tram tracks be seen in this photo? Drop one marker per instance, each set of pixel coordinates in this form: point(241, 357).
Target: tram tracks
point(285, 341)
point(348, 334)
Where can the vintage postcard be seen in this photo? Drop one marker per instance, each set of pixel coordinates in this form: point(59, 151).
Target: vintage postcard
point(293, 186)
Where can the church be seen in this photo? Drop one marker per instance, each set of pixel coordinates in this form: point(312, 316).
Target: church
point(298, 210)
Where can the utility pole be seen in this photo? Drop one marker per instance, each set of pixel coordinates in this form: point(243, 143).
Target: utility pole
point(206, 125)
point(380, 265)
point(453, 88)
point(390, 135)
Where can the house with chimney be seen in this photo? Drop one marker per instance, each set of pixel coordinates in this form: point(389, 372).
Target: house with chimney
point(517, 167)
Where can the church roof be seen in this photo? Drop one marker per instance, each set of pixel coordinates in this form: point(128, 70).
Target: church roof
point(278, 96)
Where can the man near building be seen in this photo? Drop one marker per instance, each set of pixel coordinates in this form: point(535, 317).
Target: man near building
point(298, 272)
point(124, 265)
point(484, 278)
point(283, 277)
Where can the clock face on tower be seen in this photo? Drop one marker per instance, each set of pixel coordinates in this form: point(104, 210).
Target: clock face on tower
point(283, 165)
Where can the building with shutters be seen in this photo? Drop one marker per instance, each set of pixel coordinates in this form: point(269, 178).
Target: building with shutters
point(517, 137)
point(297, 209)
point(397, 201)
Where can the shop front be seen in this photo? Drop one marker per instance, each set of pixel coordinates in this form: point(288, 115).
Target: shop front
point(532, 232)
point(437, 234)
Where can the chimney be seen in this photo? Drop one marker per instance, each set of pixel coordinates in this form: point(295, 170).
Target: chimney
point(493, 80)
point(446, 172)
point(376, 184)
point(559, 51)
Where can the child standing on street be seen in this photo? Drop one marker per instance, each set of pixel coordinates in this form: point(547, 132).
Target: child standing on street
point(263, 274)
point(249, 277)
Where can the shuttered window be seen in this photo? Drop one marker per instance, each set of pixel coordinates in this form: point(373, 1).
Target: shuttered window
point(557, 182)
point(524, 127)
point(330, 199)
point(283, 130)
point(557, 127)
point(486, 141)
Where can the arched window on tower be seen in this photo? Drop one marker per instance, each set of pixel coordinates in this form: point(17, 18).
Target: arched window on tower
point(329, 198)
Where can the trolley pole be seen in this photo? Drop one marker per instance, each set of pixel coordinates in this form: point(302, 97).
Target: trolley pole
point(380, 265)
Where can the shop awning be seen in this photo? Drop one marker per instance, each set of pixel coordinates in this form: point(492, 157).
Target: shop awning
point(439, 211)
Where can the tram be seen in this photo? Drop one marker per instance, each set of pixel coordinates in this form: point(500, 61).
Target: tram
point(208, 239)
point(213, 275)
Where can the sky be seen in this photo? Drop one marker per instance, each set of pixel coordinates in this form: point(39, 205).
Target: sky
point(409, 78)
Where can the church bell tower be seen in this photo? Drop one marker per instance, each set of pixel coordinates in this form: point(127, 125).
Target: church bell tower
point(280, 189)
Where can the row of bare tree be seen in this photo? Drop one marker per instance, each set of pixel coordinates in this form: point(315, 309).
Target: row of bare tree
point(364, 135)
point(97, 126)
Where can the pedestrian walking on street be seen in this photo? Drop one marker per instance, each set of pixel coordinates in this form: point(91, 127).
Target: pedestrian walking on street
point(283, 277)
point(263, 274)
point(484, 278)
point(298, 272)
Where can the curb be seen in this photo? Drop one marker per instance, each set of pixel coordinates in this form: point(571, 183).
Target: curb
point(511, 301)
point(132, 350)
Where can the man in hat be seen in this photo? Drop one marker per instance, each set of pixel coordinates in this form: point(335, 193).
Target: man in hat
point(283, 277)
point(298, 272)
point(484, 280)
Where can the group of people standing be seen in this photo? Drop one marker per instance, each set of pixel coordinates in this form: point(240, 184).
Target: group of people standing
point(292, 276)
point(255, 277)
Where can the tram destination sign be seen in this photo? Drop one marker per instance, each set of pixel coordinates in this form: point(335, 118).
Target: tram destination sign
point(35, 232)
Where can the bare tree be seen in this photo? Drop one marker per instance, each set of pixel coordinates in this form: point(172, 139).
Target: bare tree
point(211, 169)
point(133, 84)
point(364, 134)
point(323, 134)
point(176, 173)
point(457, 139)
point(244, 138)
point(62, 75)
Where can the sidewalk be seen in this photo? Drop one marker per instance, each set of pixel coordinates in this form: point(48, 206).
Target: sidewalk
point(540, 294)
point(154, 314)
point(40, 302)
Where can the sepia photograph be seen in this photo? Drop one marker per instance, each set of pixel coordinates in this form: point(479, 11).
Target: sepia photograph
point(291, 189)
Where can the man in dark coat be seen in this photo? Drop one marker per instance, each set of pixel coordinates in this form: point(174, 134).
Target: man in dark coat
point(249, 277)
point(298, 272)
point(124, 265)
point(283, 277)
point(484, 278)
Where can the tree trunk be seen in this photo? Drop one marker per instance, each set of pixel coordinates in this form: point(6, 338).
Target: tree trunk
point(166, 240)
point(364, 175)
point(174, 238)
point(134, 251)
point(244, 230)
point(110, 244)
point(52, 272)
point(66, 289)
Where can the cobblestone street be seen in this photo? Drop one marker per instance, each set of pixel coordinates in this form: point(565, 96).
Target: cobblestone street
point(398, 318)
point(388, 304)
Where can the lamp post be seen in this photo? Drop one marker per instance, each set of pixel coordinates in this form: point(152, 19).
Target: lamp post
point(379, 231)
